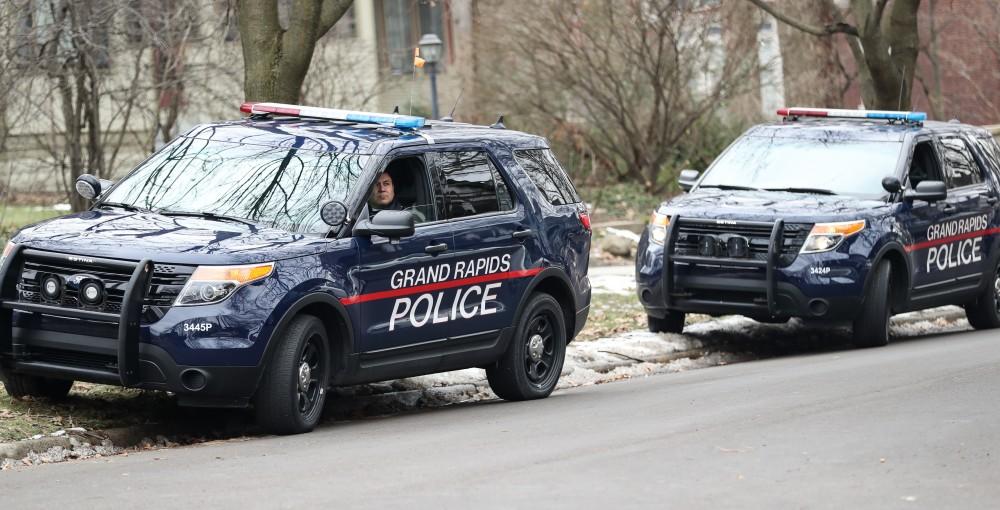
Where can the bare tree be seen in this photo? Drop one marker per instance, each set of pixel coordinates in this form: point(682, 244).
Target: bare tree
point(276, 58)
point(630, 83)
point(884, 45)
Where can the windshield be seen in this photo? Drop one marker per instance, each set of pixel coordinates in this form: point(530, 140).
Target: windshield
point(278, 187)
point(843, 167)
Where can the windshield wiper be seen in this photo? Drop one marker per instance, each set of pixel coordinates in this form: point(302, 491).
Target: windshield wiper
point(127, 207)
point(209, 215)
point(815, 191)
point(730, 187)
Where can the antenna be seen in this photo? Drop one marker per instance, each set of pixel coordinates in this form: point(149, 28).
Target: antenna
point(395, 110)
point(451, 114)
point(902, 83)
point(499, 123)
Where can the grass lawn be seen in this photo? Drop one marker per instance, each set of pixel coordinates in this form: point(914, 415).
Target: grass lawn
point(16, 216)
point(91, 406)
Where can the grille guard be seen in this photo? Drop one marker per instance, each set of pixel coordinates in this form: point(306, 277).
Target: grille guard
point(775, 243)
point(128, 321)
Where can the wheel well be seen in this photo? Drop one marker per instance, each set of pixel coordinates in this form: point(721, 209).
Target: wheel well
point(899, 277)
point(336, 330)
point(557, 288)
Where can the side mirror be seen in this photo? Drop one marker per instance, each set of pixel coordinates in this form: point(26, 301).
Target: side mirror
point(333, 213)
point(88, 186)
point(687, 179)
point(892, 184)
point(928, 191)
point(391, 224)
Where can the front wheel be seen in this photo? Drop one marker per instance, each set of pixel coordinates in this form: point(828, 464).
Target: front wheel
point(871, 327)
point(531, 366)
point(20, 386)
point(672, 322)
point(984, 312)
point(292, 393)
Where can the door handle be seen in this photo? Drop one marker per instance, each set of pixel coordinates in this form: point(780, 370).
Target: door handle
point(947, 208)
point(990, 199)
point(522, 234)
point(436, 248)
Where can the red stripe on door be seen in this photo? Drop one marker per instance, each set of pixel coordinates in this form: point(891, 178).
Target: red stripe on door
point(946, 240)
point(430, 287)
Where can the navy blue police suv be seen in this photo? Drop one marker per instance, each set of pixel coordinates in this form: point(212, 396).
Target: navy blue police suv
point(261, 261)
point(835, 216)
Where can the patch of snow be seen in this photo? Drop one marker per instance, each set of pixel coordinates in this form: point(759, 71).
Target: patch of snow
point(612, 280)
point(627, 234)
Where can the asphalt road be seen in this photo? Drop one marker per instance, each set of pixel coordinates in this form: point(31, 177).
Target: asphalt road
point(912, 425)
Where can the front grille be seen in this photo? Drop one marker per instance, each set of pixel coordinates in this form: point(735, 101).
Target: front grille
point(166, 283)
point(691, 233)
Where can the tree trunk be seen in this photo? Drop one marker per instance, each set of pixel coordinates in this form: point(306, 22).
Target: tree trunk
point(275, 59)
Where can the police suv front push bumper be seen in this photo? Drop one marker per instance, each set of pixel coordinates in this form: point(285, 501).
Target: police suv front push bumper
point(754, 286)
point(121, 361)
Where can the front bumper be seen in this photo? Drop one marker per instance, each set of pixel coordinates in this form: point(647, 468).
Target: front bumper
point(827, 286)
point(111, 348)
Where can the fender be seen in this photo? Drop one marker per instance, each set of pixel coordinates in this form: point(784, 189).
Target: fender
point(549, 272)
point(340, 350)
point(890, 246)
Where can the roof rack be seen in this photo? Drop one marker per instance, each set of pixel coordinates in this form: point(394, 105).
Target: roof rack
point(795, 113)
point(292, 110)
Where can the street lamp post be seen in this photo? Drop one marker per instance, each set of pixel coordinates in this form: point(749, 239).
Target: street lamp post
point(430, 51)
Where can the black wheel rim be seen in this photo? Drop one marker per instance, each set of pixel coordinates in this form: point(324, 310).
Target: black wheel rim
point(540, 347)
point(311, 371)
point(996, 293)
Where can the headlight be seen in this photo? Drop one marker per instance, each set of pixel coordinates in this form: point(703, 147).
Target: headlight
point(658, 228)
point(211, 284)
point(828, 236)
point(6, 251)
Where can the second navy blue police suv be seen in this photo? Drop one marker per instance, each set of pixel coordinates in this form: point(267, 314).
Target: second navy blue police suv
point(837, 216)
point(245, 264)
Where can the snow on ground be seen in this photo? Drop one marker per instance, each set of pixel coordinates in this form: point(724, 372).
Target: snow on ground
point(612, 280)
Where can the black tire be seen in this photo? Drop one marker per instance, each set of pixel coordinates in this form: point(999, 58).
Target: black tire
point(871, 327)
point(984, 313)
point(672, 322)
point(290, 398)
point(531, 366)
point(20, 386)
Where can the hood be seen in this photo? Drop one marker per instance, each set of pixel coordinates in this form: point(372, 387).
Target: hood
point(772, 205)
point(169, 239)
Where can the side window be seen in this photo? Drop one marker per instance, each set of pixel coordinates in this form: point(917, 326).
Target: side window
point(991, 153)
point(548, 176)
point(924, 166)
point(961, 167)
point(404, 185)
point(471, 184)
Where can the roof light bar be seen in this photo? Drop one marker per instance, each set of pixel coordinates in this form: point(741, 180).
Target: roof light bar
point(399, 121)
point(853, 114)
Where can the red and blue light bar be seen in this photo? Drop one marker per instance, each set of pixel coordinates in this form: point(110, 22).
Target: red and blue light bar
point(853, 114)
point(292, 110)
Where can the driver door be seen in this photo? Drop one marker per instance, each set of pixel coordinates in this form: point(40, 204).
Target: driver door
point(396, 279)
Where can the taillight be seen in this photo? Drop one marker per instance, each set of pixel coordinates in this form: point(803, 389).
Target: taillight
point(585, 220)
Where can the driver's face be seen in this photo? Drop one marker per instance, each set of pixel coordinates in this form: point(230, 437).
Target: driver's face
point(383, 191)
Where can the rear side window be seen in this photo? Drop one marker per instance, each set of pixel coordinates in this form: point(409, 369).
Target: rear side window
point(961, 167)
point(991, 153)
point(547, 175)
point(471, 184)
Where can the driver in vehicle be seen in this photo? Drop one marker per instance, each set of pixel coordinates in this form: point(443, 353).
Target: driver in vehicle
point(383, 197)
point(384, 194)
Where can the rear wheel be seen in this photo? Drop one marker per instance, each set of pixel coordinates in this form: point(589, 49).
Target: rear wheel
point(20, 386)
point(291, 396)
point(871, 327)
point(672, 322)
point(533, 362)
point(984, 313)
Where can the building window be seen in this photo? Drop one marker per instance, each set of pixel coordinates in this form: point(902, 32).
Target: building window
point(400, 25)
